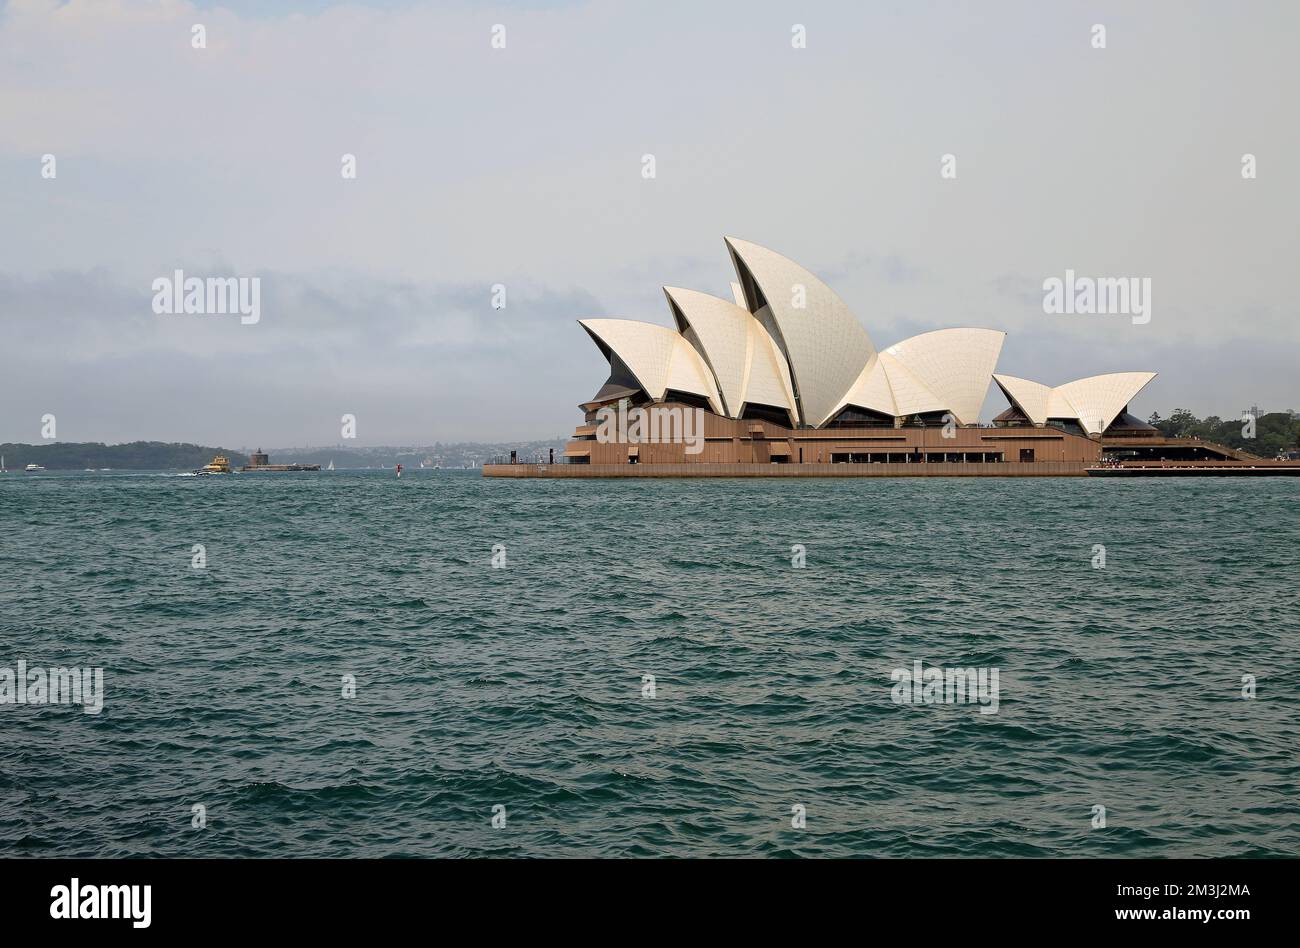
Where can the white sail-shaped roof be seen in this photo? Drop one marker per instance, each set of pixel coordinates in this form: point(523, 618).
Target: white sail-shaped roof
point(789, 342)
point(954, 364)
point(945, 370)
point(826, 347)
point(746, 363)
point(911, 395)
point(1032, 398)
point(1058, 406)
point(889, 387)
point(1097, 401)
point(738, 294)
point(722, 334)
point(769, 377)
point(1094, 402)
point(659, 357)
point(871, 391)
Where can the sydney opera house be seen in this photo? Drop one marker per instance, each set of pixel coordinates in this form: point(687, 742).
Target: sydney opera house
point(783, 379)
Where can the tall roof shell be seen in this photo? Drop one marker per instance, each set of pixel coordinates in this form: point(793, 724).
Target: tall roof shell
point(659, 357)
point(769, 377)
point(745, 361)
point(954, 364)
point(826, 347)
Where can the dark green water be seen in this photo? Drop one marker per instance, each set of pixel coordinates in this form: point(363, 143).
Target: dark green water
point(522, 687)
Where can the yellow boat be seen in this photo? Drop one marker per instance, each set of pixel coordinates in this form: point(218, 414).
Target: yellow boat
point(218, 465)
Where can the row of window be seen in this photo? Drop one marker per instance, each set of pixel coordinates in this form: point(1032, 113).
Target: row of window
point(947, 457)
point(892, 457)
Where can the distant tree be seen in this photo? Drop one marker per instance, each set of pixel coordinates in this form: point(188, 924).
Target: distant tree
point(1274, 433)
point(1181, 423)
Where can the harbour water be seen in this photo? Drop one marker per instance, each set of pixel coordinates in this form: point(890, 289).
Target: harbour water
point(645, 670)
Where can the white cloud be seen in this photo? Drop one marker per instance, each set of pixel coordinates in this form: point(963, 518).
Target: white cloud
point(522, 166)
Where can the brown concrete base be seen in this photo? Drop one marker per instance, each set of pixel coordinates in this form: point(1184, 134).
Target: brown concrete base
point(704, 469)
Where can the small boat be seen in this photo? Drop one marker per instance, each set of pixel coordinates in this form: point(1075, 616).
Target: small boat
point(218, 465)
point(331, 467)
point(33, 468)
point(2, 465)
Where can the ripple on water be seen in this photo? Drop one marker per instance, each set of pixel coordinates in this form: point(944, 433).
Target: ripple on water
point(529, 687)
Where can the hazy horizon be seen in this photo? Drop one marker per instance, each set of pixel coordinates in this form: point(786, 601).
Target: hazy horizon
point(521, 166)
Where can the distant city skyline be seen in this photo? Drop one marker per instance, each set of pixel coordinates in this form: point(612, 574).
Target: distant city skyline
point(500, 194)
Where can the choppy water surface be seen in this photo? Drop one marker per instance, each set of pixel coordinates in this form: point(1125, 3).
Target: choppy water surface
point(523, 686)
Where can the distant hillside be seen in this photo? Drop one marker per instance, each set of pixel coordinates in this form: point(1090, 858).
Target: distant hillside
point(161, 456)
point(453, 455)
point(137, 456)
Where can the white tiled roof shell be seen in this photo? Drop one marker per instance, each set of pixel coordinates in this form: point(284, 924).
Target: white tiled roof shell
point(1033, 398)
point(745, 360)
point(954, 364)
point(659, 357)
point(871, 391)
point(827, 346)
point(1094, 402)
point(1098, 400)
point(911, 395)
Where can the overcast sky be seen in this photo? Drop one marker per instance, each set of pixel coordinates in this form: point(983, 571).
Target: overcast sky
point(522, 166)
